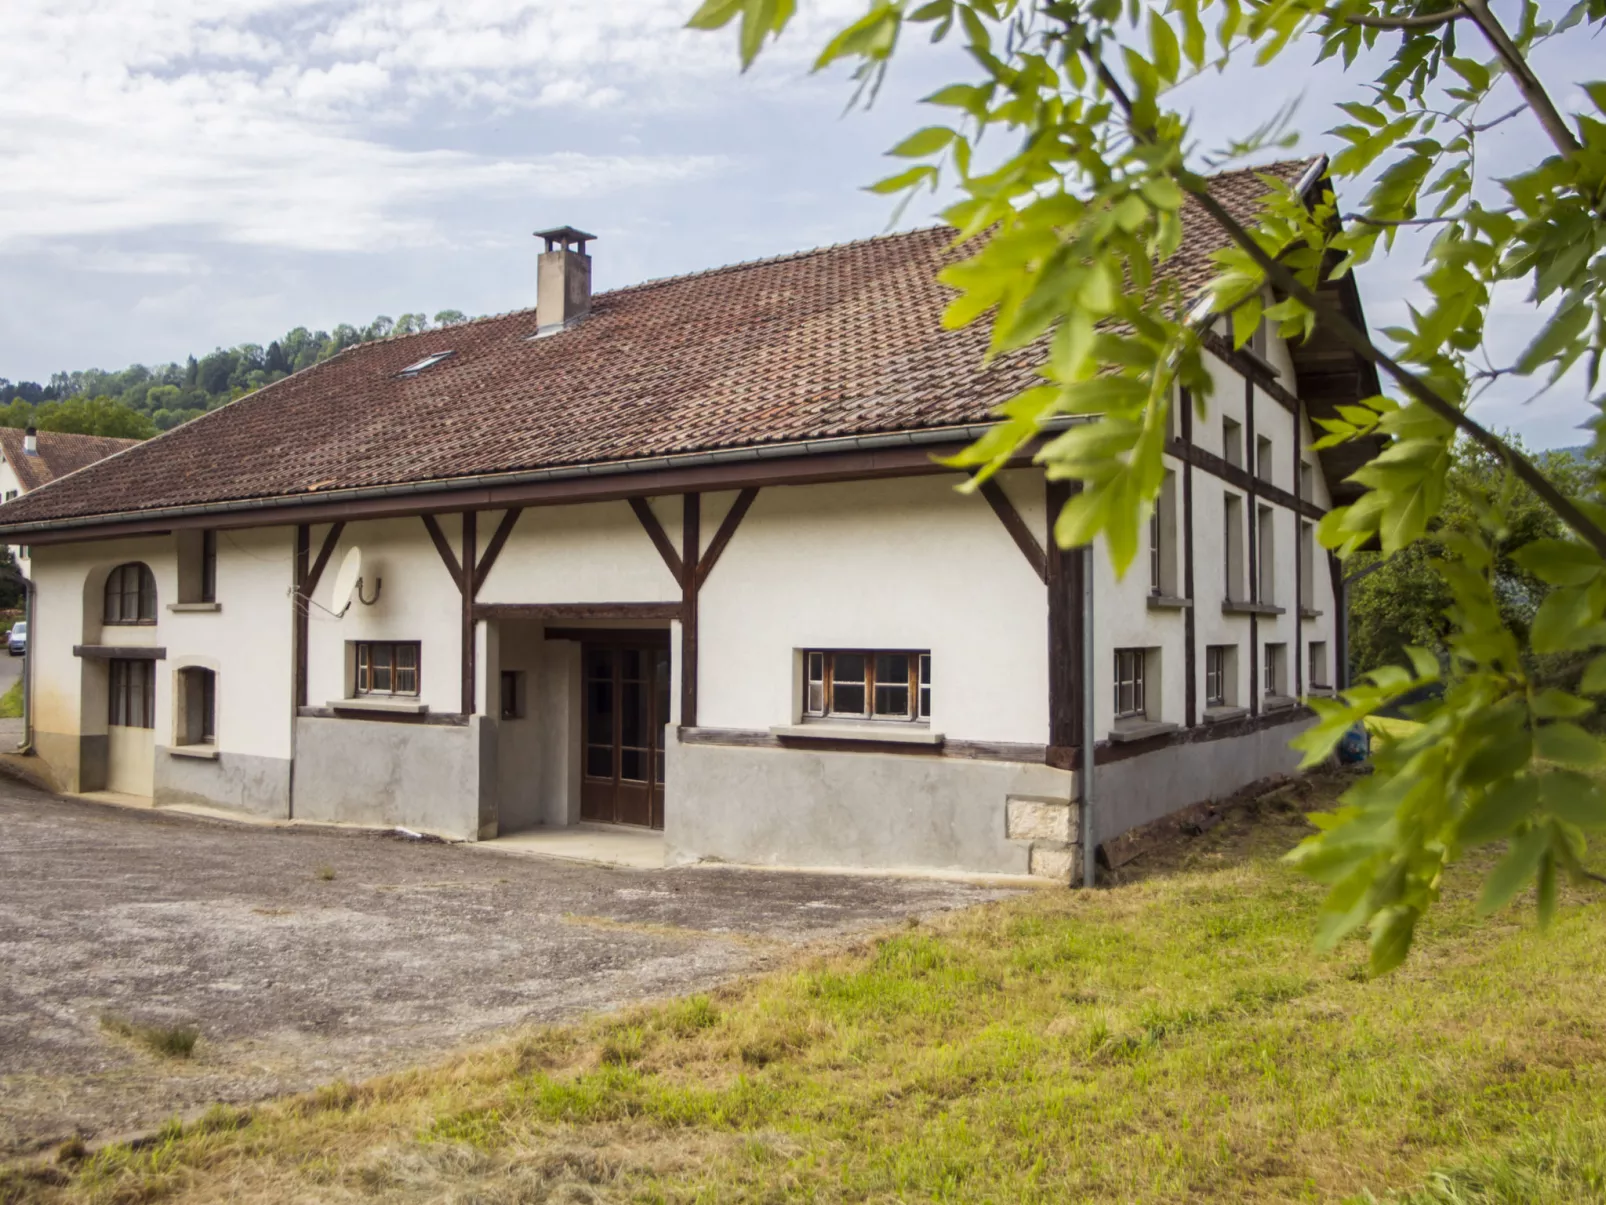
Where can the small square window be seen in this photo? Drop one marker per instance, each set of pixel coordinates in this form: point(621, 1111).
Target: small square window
point(889, 685)
point(387, 667)
point(1129, 687)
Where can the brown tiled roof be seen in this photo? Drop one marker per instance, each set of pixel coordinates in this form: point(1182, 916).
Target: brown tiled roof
point(58, 455)
point(842, 341)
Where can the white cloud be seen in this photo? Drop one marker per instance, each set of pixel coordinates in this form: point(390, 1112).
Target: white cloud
point(274, 122)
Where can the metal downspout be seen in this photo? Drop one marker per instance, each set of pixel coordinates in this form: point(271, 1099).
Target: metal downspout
point(27, 672)
point(1090, 847)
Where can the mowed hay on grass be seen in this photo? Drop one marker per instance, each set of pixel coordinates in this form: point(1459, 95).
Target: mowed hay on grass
point(1173, 1038)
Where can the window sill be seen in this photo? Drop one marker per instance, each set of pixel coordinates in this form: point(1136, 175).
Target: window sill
point(1278, 703)
point(1309, 613)
point(193, 608)
point(1220, 715)
point(1322, 692)
point(199, 752)
point(1139, 730)
point(1168, 602)
point(389, 706)
point(128, 623)
point(874, 734)
point(1238, 606)
point(1260, 359)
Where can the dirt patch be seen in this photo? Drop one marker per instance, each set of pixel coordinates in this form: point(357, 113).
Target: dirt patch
point(303, 957)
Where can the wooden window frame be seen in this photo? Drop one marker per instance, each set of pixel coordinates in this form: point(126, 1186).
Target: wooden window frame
point(364, 665)
point(208, 704)
point(124, 675)
point(1156, 551)
point(1324, 665)
point(819, 686)
point(1273, 652)
point(1137, 660)
point(208, 566)
point(144, 592)
point(1216, 696)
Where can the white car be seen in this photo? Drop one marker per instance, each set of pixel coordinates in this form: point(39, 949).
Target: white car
point(17, 642)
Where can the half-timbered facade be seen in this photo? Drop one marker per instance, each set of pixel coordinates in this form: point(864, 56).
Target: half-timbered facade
point(684, 556)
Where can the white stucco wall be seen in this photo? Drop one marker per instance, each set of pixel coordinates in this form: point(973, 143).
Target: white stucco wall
point(904, 564)
point(596, 552)
point(418, 600)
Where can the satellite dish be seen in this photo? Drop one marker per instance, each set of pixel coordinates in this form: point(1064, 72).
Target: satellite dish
point(347, 581)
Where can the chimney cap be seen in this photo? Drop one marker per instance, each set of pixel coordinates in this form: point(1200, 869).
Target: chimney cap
point(562, 236)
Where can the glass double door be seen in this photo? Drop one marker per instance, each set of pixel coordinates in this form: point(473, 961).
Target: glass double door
point(626, 707)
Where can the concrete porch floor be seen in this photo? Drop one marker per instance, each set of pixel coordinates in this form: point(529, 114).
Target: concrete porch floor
point(604, 844)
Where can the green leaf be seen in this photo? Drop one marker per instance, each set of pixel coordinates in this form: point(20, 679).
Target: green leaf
point(714, 14)
point(1573, 798)
point(1554, 704)
point(1162, 192)
point(1163, 41)
point(1564, 327)
point(1514, 870)
point(1559, 562)
point(1499, 811)
point(924, 142)
point(910, 179)
point(1567, 744)
point(1594, 679)
point(1392, 932)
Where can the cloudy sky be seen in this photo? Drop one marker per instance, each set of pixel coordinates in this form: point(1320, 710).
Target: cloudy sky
point(183, 174)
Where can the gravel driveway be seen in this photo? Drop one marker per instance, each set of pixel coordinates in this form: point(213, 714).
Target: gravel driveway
point(309, 955)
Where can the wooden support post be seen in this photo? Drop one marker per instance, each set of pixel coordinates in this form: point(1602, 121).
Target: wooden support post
point(302, 568)
point(1190, 650)
point(465, 586)
point(1065, 620)
point(691, 549)
point(1252, 521)
point(1299, 563)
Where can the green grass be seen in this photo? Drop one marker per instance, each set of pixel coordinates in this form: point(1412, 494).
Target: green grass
point(1171, 1039)
point(169, 1041)
point(11, 702)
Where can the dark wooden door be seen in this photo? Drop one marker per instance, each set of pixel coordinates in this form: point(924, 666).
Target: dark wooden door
point(626, 704)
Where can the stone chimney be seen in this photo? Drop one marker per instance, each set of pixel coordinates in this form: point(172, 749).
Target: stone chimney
point(30, 441)
point(563, 280)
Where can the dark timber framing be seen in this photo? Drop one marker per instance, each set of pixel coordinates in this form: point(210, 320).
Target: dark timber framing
point(1065, 619)
point(1189, 635)
point(1252, 538)
point(691, 544)
point(641, 611)
point(1016, 527)
point(307, 578)
point(469, 571)
point(1299, 566)
point(690, 568)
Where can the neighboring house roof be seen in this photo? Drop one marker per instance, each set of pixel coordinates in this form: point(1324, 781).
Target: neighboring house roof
point(841, 341)
point(58, 455)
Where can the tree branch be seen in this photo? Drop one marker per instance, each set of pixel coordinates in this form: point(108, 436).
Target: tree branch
point(1358, 341)
point(1419, 21)
point(1522, 75)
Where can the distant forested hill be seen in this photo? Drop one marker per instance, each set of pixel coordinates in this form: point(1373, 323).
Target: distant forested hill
point(139, 401)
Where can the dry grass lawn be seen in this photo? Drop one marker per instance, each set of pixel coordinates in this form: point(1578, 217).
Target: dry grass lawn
point(1171, 1039)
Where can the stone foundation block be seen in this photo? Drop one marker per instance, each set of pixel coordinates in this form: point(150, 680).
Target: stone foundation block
point(1054, 860)
point(1030, 819)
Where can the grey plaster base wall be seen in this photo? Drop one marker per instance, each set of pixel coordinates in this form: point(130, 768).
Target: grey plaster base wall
point(257, 786)
point(70, 762)
point(437, 778)
point(797, 807)
point(1153, 785)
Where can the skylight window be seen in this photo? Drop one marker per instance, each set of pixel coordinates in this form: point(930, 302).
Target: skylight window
point(412, 370)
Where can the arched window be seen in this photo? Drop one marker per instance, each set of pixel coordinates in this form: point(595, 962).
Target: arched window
point(131, 595)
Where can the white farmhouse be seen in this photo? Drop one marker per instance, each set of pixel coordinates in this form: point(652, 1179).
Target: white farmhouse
point(29, 459)
point(681, 556)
